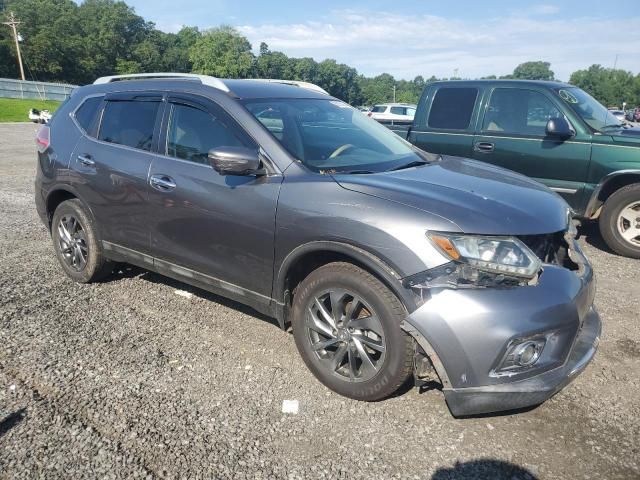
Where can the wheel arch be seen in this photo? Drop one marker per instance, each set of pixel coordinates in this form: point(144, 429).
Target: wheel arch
point(62, 193)
point(607, 187)
point(303, 260)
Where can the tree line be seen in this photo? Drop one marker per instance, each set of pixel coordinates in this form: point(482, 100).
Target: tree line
point(70, 43)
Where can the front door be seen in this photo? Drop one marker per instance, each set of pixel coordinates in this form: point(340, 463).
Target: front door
point(217, 230)
point(512, 135)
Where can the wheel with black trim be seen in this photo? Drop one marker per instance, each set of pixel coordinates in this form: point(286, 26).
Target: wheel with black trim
point(346, 325)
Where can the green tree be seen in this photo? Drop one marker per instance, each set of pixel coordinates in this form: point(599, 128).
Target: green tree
point(274, 64)
point(532, 71)
point(610, 87)
point(222, 52)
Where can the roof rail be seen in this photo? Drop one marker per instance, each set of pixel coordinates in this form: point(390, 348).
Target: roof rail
point(297, 83)
point(204, 79)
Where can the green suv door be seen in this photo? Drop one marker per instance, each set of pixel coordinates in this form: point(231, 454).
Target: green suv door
point(512, 134)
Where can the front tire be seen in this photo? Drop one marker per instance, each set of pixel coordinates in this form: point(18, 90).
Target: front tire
point(76, 243)
point(346, 324)
point(620, 221)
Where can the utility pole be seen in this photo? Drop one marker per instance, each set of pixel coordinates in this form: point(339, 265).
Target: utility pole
point(394, 94)
point(13, 23)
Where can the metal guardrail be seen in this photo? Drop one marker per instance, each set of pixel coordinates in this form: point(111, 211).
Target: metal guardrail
point(11, 88)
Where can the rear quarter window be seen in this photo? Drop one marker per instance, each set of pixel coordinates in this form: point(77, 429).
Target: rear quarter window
point(452, 108)
point(86, 112)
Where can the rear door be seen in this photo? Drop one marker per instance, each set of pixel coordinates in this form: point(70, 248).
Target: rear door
point(512, 135)
point(111, 163)
point(214, 229)
point(446, 120)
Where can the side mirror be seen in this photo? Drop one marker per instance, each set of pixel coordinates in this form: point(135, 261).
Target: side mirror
point(235, 161)
point(559, 127)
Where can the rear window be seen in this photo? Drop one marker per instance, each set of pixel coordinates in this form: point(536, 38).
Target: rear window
point(129, 123)
point(379, 109)
point(452, 108)
point(87, 112)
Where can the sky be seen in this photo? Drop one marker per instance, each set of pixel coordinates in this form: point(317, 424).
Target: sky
point(467, 38)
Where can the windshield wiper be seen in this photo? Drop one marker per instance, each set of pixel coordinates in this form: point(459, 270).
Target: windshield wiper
point(613, 125)
point(357, 172)
point(414, 163)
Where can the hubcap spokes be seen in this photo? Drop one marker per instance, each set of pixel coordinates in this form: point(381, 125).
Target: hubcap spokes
point(73, 242)
point(346, 335)
point(629, 223)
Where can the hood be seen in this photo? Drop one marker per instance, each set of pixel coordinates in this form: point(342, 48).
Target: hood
point(478, 197)
point(629, 136)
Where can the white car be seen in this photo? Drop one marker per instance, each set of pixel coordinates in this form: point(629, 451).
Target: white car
point(396, 112)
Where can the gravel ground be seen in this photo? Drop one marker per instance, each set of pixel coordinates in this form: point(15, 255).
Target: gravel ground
point(128, 379)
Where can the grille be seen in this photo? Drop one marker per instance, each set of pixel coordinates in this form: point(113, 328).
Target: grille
point(550, 248)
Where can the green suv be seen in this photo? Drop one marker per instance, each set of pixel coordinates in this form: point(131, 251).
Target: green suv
point(551, 131)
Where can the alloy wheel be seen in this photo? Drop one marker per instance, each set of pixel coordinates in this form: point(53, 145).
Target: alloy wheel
point(73, 242)
point(346, 335)
point(629, 223)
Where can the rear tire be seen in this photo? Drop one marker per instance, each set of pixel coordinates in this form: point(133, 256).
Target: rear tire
point(346, 324)
point(76, 243)
point(620, 221)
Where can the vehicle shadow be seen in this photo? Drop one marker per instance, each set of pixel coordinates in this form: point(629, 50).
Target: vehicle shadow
point(130, 271)
point(484, 468)
point(591, 233)
point(12, 420)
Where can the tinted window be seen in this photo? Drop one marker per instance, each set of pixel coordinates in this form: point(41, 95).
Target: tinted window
point(452, 108)
point(399, 110)
point(129, 123)
point(193, 132)
point(379, 109)
point(519, 111)
point(87, 112)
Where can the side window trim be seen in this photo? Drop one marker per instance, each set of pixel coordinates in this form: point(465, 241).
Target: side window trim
point(495, 133)
point(91, 132)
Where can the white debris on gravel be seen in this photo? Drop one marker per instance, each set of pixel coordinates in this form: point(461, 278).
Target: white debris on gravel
point(290, 406)
point(183, 293)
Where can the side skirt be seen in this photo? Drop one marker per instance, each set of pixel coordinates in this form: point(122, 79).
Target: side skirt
point(257, 301)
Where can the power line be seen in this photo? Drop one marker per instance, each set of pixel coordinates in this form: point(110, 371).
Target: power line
point(13, 23)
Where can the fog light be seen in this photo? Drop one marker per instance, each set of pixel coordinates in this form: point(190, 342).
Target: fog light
point(520, 356)
point(526, 354)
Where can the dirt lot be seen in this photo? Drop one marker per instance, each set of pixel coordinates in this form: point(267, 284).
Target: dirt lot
point(126, 378)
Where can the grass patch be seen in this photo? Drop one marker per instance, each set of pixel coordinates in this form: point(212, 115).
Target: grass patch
point(17, 109)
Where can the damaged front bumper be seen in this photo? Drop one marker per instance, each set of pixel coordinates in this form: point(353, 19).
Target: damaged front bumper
point(467, 333)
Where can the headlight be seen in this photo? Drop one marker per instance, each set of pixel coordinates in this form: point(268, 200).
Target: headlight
point(500, 255)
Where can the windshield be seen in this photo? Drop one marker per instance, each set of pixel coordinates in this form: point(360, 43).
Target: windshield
point(330, 136)
point(591, 111)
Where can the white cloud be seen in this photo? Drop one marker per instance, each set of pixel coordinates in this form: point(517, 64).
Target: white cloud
point(406, 45)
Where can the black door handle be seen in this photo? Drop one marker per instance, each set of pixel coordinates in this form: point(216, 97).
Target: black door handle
point(484, 147)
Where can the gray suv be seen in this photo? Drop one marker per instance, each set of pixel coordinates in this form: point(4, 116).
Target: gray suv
point(387, 262)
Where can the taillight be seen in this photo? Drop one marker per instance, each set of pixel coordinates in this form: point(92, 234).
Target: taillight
point(43, 138)
point(369, 114)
